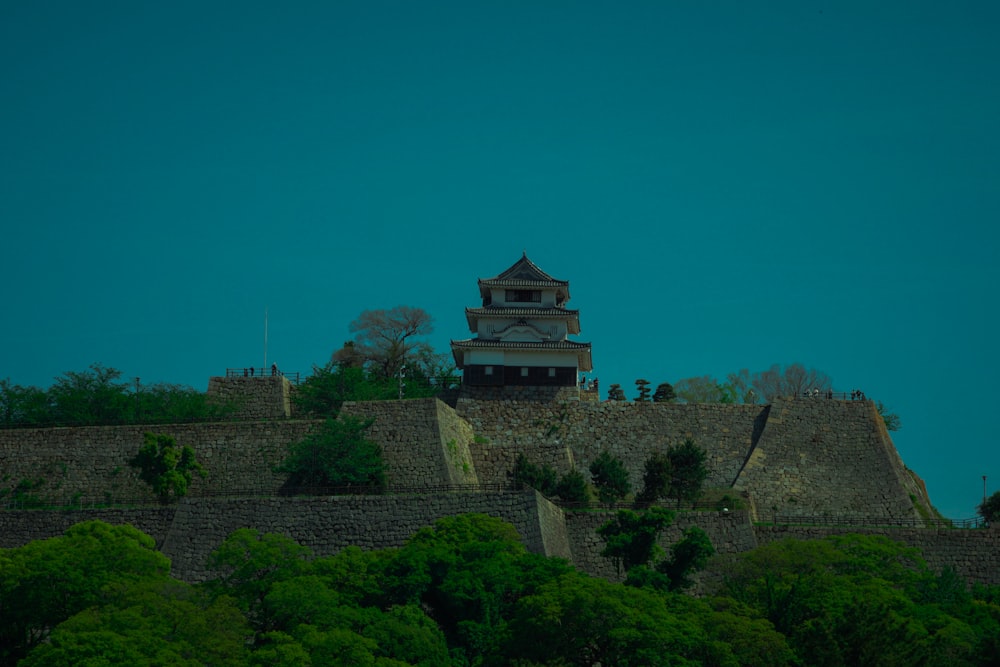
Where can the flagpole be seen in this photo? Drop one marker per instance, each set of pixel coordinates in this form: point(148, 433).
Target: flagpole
point(265, 341)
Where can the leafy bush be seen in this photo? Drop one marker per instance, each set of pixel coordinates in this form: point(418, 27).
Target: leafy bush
point(572, 487)
point(543, 478)
point(166, 467)
point(610, 478)
point(337, 454)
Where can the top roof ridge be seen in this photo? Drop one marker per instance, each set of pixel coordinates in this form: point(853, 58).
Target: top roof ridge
point(525, 269)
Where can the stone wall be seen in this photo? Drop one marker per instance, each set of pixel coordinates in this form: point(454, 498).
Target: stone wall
point(519, 393)
point(328, 524)
point(731, 533)
point(19, 527)
point(819, 456)
point(807, 456)
point(259, 397)
point(423, 441)
point(189, 531)
point(89, 465)
point(571, 434)
point(801, 456)
point(973, 554)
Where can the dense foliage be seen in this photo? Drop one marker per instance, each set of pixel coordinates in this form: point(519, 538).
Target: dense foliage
point(679, 473)
point(167, 467)
point(989, 509)
point(100, 396)
point(465, 591)
point(610, 478)
point(865, 600)
point(334, 455)
point(571, 487)
point(323, 392)
point(387, 359)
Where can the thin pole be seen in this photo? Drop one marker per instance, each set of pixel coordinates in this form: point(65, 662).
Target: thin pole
point(265, 342)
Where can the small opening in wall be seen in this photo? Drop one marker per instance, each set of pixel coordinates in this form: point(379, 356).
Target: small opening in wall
point(552, 372)
point(488, 370)
point(524, 372)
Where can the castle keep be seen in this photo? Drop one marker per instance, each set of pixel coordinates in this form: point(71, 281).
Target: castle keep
point(796, 457)
point(522, 333)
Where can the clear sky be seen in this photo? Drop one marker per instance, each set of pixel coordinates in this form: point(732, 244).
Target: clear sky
point(725, 185)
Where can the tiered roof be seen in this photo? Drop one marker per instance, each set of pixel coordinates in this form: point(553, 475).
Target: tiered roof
point(525, 274)
point(572, 317)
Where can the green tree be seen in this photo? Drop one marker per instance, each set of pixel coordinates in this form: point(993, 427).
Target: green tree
point(90, 397)
point(248, 564)
point(323, 392)
point(335, 454)
point(46, 582)
point(704, 389)
point(642, 386)
point(578, 620)
point(572, 487)
point(167, 403)
point(687, 556)
point(862, 600)
point(610, 478)
point(167, 467)
point(157, 623)
point(687, 472)
point(541, 477)
point(664, 393)
point(615, 393)
point(468, 571)
point(657, 473)
point(631, 537)
point(23, 405)
point(989, 509)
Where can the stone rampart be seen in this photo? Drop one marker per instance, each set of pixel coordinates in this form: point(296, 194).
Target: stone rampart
point(328, 524)
point(520, 393)
point(571, 434)
point(799, 457)
point(818, 456)
point(973, 554)
point(795, 457)
point(731, 533)
point(423, 441)
point(18, 527)
point(87, 465)
point(258, 397)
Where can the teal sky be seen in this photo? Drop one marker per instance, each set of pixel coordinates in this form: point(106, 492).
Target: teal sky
point(726, 185)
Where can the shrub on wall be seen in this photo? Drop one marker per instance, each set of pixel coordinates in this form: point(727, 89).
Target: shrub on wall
point(572, 487)
point(167, 467)
point(989, 509)
point(610, 477)
point(543, 478)
point(337, 454)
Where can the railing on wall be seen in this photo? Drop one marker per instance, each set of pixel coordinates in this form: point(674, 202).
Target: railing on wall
point(28, 501)
point(135, 501)
point(253, 372)
point(699, 506)
point(875, 522)
point(837, 395)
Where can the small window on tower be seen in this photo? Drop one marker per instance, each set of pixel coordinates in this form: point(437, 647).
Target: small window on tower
point(523, 296)
point(488, 370)
point(552, 372)
point(524, 372)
